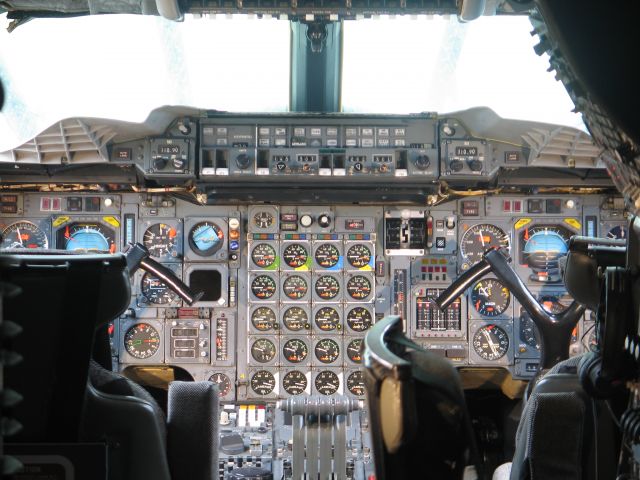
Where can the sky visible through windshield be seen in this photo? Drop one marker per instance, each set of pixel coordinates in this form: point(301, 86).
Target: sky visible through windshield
point(122, 67)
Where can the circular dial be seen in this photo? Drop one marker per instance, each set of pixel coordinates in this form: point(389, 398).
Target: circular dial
point(295, 287)
point(23, 234)
point(529, 332)
point(490, 298)
point(355, 383)
point(295, 255)
point(295, 318)
point(263, 319)
point(161, 240)
point(142, 341)
point(359, 287)
point(263, 287)
point(327, 350)
point(327, 287)
point(359, 319)
point(542, 247)
point(263, 382)
point(327, 255)
point(327, 382)
point(327, 319)
point(358, 255)
point(89, 237)
point(224, 383)
point(480, 238)
point(619, 232)
point(295, 350)
point(263, 219)
point(354, 350)
point(206, 238)
point(263, 350)
point(155, 291)
point(294, 382)
point(491, 342)
point(263, 255)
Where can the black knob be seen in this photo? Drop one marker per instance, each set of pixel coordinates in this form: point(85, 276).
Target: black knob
point(475, 165)
point(178, 163)
point(422, 162)
point(159, 163)
point(243, 160)
point(324, 220)
point(456, 165)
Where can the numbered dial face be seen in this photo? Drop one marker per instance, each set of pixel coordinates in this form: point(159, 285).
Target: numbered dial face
point(224, 383)
point(263, 287)
point(542, 247)
point(23, 235)
point(263, 219)
point(359, 287)
point(263, 255)
point(295, 255)
point(355, 383)
point(327, 350)
point(327, 382)
point(161, 240)
point(295, 319)
point(295, 287)
point(142, 341)
point(480, 238)
point(619, 232)
point(358, 255)
point(295, 350)
point(490, 298)
point(263, 350)
point(263, 319)
point(354, 350)
point(327, 287)
point(87, 237)
point(263, 382)
point(294, 382)
point(155, 291)
point(491, 342)
point(327, 255)
point(327, 319)
point(359, 319)
point(529, 332)
point(206, 238)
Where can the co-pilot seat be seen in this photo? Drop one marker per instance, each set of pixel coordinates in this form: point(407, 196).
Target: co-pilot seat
point(58, 302)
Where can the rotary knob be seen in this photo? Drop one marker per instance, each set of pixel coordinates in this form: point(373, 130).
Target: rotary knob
point(242, 161)
point(160, 163)
point(475, 165)
point(422, 162)
point(324, 220)
point(456, 165)
point(306, 221)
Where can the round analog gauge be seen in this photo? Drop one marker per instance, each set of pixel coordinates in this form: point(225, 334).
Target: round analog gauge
point(491, 342)
point(619, 232)
point(295, 350)
point(23, 235)
point(142, 341)
point(206, 238)
point(86, 237)
point(263, 382)
point(263, 350)
point(327, 287)
point(355, 383)
point(354, 350)
point(263, 287)
point(263, 219)
point(554, 305)
point(295, 318)
point(327, 350)
point(263, 255)
point(155, 291)
point(295, 255)
point(327, 319)
point(327, 255)
point(294, 382)
point(327, 382)
point(480, 238)
point(224, 383)
point(490, 298)
point(529, 332)
point(359, 319)
point(161, 240)
point(263, 319)
point(359, 287)
point(295, 287)
point(542, 246)
point(359, 255)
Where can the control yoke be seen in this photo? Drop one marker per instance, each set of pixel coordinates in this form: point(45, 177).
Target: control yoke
point(137, 257)
point(555, 330)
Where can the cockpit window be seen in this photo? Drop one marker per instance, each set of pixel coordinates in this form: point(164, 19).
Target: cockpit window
point(414, 64)
point(124, 66)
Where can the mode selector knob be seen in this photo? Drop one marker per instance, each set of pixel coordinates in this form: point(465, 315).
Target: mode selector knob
point(422, 162)
point(160, 162)
point(475, 165)
point(242, 161)
point(306, 220)
point(456, 165)
point(324, 220)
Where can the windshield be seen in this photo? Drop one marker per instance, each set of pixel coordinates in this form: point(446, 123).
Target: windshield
point(122, 67)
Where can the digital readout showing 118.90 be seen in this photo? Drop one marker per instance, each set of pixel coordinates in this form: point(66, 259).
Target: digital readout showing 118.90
point(466, 151)
point(169, 150)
